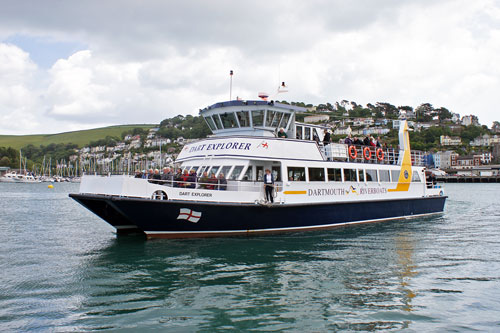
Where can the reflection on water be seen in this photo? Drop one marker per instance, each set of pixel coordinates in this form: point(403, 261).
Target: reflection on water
point(64, 269)
point(404, 249)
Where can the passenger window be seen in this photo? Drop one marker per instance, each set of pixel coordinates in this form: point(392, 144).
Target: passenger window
point(249, 173)
point(395, 175)
point(307, 133)
point(269, 117)
point(228, 120)
point(258, 117)
point(297, 174)
point(384, 175)
point(214, 169)
point(350, 175)
point(260, 173)
point(236, 172)
point(298, 129)
point(284, 120)
point(371, 175)
point(243, 118)
point(211, 123)
point(334, 175)
point(276, 171)
point(218, 122)
point(361, 174)
point(225, 170)
point(277, 119)
point(200, 170)
point(415, 177)
point(316, 174)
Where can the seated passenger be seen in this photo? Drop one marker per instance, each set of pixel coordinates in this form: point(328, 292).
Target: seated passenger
point(204, 181)
point(192, 179)
point(138, 174)
point(167, 177)
point(212, 181)
point(222, 182)
point(184, 179)
point(177, 178)
point(156, 178)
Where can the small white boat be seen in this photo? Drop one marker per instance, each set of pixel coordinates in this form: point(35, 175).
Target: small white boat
point(13, 177)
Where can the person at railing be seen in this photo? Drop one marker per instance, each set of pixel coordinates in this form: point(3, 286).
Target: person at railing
point(366, 141)
point(282, 134)
point(177, 178)
point(269, 185)
point(192, 179)
point(183, 181)
point(138, 174)
point(348, 140)
point(357, 141)
point(327, 137)
point(378, 142)
point(204, 181)
point(167, 176)
point(222, 182)
point(156, 178)
point(212, 182)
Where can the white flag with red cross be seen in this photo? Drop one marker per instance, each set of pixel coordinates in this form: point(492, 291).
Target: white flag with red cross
point(188, 214)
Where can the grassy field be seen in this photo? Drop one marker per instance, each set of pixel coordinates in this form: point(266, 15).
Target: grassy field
point(81, 138)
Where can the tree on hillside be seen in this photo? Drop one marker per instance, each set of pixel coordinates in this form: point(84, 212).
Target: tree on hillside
point(443, 113)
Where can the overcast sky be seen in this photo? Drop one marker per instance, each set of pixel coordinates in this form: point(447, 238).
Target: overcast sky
point(68, 65)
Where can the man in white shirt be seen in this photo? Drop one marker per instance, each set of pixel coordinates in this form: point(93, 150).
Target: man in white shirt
point(269, 185)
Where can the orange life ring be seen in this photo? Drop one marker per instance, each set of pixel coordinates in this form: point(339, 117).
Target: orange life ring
point(380, 154)
point(353, 153)
point(367, 153)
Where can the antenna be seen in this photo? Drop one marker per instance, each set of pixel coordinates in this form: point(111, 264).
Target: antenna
point(230, 84)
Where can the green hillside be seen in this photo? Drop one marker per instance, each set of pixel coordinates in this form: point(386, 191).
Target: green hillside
point(81, 138)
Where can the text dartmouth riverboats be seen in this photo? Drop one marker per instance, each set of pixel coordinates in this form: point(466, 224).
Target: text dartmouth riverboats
point(315, 186)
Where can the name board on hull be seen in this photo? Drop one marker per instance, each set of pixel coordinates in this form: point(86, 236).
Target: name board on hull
point(253, 147)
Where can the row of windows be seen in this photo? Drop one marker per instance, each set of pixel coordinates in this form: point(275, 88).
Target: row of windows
point(267, 118)
point(299, 173)
point(349, 175)
point(216, 169)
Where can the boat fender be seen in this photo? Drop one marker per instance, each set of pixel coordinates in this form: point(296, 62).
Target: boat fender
point(367, 153)
point(353, 153)
point(380, 154)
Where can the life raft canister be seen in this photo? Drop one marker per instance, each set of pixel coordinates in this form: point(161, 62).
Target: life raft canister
point(380, 154)
point(353, 153)
point(367, 153)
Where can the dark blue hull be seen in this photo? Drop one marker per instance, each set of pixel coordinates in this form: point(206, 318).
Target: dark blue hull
point(166, 219)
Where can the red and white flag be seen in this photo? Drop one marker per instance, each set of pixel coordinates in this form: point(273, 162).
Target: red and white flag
point(188, 214)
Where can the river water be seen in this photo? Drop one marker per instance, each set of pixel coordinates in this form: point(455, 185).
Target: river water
point(63, 269)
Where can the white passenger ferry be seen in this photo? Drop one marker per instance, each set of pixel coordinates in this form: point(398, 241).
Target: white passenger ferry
point(316, 186)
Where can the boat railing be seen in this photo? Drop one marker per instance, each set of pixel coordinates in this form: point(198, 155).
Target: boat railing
point(216, 184)
point(368, 154)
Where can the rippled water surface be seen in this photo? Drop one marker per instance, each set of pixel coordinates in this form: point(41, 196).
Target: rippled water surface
point(63, 269)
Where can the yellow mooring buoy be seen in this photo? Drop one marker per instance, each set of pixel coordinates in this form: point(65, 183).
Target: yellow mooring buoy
point(50, 186)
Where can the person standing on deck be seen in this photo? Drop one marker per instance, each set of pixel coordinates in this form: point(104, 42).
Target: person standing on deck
point(269, 186)
point(326, 137)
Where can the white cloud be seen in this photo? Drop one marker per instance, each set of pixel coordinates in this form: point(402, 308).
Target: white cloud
point(148, 62)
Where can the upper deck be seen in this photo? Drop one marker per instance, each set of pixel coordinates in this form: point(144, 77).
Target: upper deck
point(253, 127)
